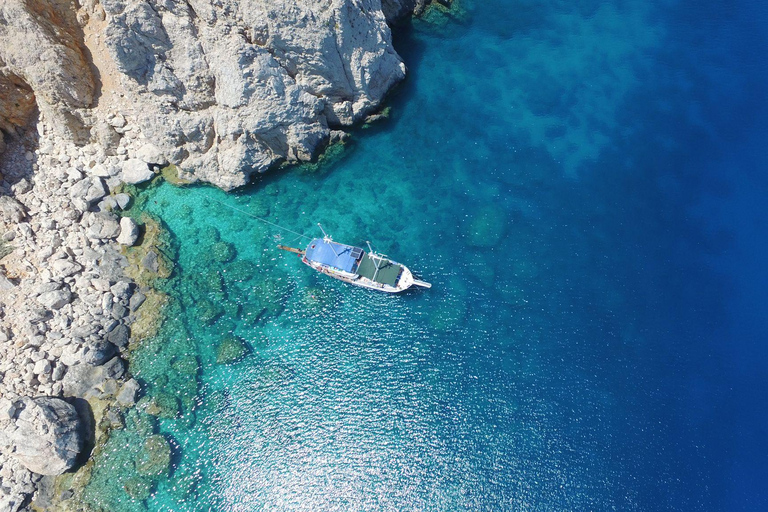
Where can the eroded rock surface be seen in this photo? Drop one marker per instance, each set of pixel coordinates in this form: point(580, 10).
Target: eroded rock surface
point(44, 434)
point(223, 90)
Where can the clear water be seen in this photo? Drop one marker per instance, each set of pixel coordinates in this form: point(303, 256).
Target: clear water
point(584, 185)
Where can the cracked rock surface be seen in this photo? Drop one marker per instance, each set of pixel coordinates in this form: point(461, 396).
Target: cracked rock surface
point(223, 90)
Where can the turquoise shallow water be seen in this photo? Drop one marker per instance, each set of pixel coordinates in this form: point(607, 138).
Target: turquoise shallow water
point(581, 183)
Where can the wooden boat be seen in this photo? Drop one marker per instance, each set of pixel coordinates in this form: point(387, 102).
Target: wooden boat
point(355, 266)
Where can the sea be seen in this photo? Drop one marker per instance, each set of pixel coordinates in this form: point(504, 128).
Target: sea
point(584, 184)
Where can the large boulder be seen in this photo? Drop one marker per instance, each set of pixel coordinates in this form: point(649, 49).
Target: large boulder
point(150, 154)
point(45, 434)
point(90, 189)
point(103, 225)
point(129, 232)
point(86, 381)
point(136, 171)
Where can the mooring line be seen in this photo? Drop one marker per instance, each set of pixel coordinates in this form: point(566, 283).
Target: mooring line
point(257, 218)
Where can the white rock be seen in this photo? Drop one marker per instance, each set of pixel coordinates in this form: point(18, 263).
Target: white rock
point(117, 122)
point(123, 200)
point(129, 232)
point(101, 171)
point(5, 284)
point(10, 209)
point(42, 367)
point(55, 299)
point(136, 171)
point(151, 155)
point(65, 267)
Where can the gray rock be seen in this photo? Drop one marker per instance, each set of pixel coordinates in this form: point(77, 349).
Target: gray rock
point(121, 290)
point(136, 171)
point(110, 325)
point(46, 287)
point(151, 262)
point(83, 380)
point(128, 393)
point(45, 436)
point(118, 311)
point(129, 232)
point(101, 285)
point(103, 225)
point(46, 488)
point(123, 200)
point(98, 353)
point(55, 299)
point(11, 210)
point(136, 301)
point(96, 191)
point(58, 371)
point(119, 336)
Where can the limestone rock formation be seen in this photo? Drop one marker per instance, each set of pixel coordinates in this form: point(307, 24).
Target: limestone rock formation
point(45, 434)
point(222, 90)
point(42, 60)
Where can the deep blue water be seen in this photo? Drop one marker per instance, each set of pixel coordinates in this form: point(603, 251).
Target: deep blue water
point(584, 184)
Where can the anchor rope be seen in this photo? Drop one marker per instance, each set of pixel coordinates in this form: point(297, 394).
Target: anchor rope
point(257, 218)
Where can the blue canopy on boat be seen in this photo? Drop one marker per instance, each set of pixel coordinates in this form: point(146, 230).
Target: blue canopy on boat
point(342, 257)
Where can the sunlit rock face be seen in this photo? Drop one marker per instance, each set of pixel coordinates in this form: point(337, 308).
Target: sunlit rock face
point(223, 90)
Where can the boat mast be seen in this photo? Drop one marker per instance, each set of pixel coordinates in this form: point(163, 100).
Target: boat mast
point(327, 239)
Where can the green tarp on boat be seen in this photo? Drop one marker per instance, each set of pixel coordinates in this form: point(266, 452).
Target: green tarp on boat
point(388, 271)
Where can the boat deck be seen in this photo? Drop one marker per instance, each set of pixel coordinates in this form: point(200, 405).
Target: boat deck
point(388, 271)
point(340, 256)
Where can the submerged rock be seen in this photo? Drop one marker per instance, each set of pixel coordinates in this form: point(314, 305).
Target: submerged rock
point(154, 459)
point(163, 405)
point(223, 252)
point(45, 434)
point(239, 271)
point(208, 312)
point(230, 350)
point(186, 365)
point(138, 488)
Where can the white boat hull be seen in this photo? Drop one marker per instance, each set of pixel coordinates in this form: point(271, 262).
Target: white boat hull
point(406, 279)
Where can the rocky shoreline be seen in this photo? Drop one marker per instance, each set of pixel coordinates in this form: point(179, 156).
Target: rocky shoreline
point(123, 89)
point(67, 303)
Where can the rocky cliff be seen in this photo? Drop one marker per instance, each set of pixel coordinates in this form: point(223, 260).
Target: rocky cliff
point(222, 89)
